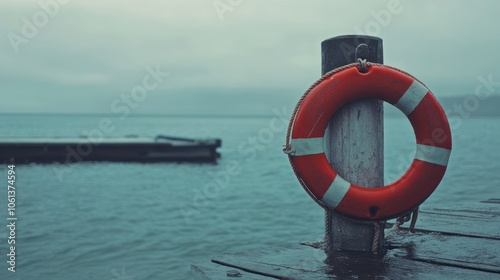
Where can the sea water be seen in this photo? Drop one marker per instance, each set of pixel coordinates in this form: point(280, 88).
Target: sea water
point(123, 221)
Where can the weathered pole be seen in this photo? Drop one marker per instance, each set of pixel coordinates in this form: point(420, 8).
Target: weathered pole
point(354, 142)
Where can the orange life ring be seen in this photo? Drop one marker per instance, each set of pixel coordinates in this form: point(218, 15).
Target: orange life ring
point(321, 181)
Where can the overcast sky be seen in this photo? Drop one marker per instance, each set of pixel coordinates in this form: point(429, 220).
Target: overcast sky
point(225, 56)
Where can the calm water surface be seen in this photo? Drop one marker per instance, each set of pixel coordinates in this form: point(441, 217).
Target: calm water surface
point(152, 221)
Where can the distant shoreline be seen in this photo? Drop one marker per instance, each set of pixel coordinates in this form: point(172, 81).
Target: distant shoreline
point(485, 108)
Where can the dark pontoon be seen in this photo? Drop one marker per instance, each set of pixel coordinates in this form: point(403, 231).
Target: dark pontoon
point(131, 148)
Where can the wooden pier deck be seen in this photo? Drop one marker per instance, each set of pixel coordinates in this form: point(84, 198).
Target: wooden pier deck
point(459, 242)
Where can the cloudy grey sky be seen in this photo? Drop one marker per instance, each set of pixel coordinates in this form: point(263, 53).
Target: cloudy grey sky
point(225, 56)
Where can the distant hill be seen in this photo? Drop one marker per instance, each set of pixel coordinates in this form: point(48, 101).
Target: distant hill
point(228, 102)
point(264, 101)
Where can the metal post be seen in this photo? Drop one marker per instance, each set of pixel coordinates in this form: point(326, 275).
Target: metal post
point(354, 141)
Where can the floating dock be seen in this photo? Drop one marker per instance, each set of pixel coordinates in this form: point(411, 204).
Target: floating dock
point(132, 148)
point(461, 242)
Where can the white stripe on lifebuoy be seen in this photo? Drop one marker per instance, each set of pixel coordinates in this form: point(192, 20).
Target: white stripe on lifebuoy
point(307, 146)
point(411, 98)
point(336, 192)
point(433, 154)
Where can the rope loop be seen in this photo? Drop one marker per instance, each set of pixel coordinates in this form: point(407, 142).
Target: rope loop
point(363, 65)
point(288, 150)
point(412, 215)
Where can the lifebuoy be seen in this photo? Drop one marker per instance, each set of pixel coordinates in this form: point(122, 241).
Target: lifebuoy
point(321, 181)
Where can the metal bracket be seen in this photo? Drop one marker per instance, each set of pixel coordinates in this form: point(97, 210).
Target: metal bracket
point(362, 52)
point(361, 55)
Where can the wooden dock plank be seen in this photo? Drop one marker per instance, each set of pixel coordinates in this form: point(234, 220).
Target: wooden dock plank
point(465, 252)
point(475, 220)
point(303, 262)
point(221, 272)
point(458, 242)
point(282, 263)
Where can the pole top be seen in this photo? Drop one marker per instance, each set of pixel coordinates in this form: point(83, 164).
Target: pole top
point(341, 50)
point(354, 36)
